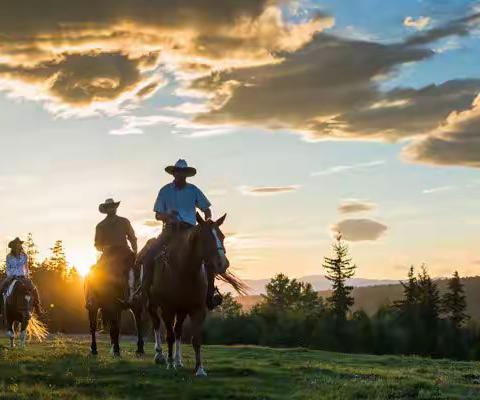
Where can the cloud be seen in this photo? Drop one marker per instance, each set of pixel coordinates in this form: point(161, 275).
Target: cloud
point(456, 142)
point(354, 206)
point(419, 23)
point(346, 168)
point(437, 189)
point(81, 54)
point(320, 93)
point(363, 229)
point(267, 190)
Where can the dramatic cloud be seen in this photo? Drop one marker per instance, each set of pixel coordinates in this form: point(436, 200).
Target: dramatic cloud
point(354, 206)
point(79, 53)
point(267, 190)
point(419, 23)
point(456, 142)
point(355, 230)
point(320, 92)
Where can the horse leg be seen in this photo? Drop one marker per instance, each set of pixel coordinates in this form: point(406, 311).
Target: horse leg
point(23, 328)
point(159, 357)
point(11, 333)
point(115, 334)
point(178, 340)
point(92, 316)
point(168, 317)
point(138, 315)
point(197, 322)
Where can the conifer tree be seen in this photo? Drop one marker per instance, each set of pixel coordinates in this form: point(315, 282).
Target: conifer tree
point(31, 251)
point(58, 260)
point(339, 269)
point(454, 302)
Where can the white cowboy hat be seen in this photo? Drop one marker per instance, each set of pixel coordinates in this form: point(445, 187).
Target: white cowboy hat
point(109, 203)
point(181, 166)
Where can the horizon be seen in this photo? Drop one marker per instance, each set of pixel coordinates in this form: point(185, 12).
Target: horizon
point(303, 118)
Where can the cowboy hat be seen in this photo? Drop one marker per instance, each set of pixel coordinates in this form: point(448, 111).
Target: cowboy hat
point(14, 242)
point(181, 166)
point(109, 203)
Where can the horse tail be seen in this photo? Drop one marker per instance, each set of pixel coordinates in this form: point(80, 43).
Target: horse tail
point(36, 329)
point(234, 281)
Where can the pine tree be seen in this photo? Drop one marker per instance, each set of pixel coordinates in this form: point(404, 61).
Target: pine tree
point(454, 302)
point(408, 305)
point(339, 269)
point(31, 251)
point(58, 261)
point(429, 298)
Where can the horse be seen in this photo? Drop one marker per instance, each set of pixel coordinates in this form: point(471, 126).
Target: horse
point(106, 289)
point(180, 285)
point(18, 306)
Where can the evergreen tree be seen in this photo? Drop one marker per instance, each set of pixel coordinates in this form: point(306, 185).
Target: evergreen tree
point(31, 251)
point(429, 298)
point(339, 269)
point(58, 261)
point(454, 302)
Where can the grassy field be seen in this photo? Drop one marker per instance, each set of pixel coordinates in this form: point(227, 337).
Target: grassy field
point(62, 369)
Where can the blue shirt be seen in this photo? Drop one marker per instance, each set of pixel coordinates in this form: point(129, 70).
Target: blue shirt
point(181, 202)
point(17, 266)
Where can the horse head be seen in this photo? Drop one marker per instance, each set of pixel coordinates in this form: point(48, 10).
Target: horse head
point(212, 244)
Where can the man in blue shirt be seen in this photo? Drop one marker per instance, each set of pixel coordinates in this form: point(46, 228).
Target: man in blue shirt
point(176, 207)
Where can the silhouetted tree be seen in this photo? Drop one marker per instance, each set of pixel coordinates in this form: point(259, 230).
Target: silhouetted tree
point(58, 260)
point(454, 302)
point(282, 292)
point(31, 251)
point(230, 307)
point(339, 269)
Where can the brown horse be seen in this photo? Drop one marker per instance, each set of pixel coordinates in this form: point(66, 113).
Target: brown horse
point(179, 288)
point(107, 286)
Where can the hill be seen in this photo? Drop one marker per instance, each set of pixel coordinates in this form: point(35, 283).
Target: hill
point(62, 369)
point(370, 298)
point(319, 283)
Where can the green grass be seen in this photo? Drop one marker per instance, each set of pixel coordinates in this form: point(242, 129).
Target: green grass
point(62, 369)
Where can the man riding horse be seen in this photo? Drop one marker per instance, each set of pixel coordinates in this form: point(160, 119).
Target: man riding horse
point(176, 206)
point(17, 269)
point(112, 236)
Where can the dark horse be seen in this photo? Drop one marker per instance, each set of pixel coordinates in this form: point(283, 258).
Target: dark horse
point(107, 287)
point(18, 309)
point(179, 288)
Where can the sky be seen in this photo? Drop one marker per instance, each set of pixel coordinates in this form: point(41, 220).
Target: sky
point(303, 118)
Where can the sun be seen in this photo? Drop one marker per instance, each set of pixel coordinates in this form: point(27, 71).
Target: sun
point(83, 262)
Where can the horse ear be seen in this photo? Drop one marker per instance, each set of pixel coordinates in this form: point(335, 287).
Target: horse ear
point(200, 220)
point(221, 220)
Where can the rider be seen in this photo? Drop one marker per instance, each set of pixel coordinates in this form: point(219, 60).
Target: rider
point(111, 239)
point(17, 268)
point(176, 206)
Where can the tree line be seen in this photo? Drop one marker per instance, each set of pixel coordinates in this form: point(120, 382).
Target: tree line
point(292, 313)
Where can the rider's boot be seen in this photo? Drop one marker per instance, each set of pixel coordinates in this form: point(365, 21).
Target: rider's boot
point(214, 298)
point(141, 295)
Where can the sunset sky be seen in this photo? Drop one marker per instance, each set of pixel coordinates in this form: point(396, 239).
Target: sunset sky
point(302, 118)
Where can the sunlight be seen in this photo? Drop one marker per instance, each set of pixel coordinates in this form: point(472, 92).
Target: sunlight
point(83, 262)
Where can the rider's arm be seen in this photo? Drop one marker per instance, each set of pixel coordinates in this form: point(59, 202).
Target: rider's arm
point(98, 240)
point(164, 217)
point(9, 267)
point(203, 204)
point(131, 237)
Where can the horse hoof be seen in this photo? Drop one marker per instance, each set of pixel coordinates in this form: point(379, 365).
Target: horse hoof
point(93, 353)
point(178, 365)
point(140, 354)
point(159, 358)
point(200, 373)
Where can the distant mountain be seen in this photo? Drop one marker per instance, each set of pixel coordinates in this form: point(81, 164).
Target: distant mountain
point(319, 283)
point(371, 298)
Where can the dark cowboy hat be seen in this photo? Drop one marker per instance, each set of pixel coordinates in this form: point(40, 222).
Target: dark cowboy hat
point(14, 242)
point(181, 166)
point(109, 203)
